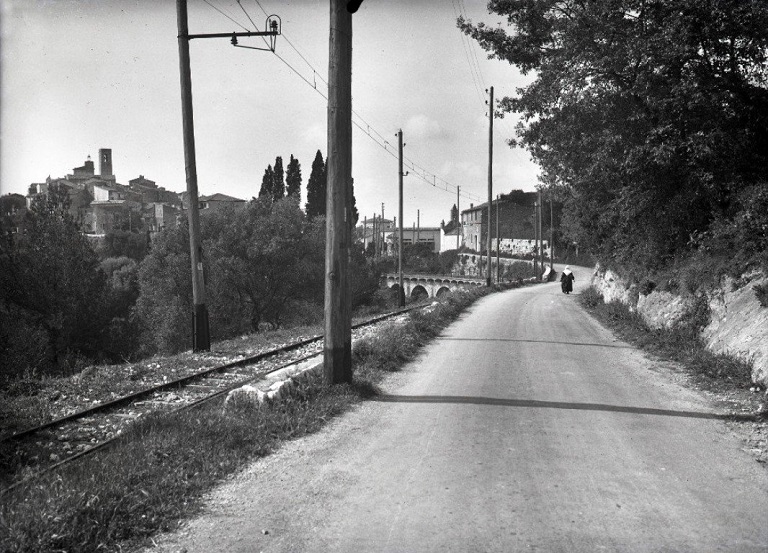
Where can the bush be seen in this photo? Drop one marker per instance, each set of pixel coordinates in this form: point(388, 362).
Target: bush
point(518, 270)
point(591, 297)
point(761, 292)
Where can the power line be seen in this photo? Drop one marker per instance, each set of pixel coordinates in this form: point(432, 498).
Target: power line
point(465, 47)
point(247, 15)
point(233, 20)
point(383, 143)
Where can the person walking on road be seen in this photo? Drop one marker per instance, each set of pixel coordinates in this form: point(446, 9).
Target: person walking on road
point(566, 280)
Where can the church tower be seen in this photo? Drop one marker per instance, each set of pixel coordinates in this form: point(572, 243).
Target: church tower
point(105, 164)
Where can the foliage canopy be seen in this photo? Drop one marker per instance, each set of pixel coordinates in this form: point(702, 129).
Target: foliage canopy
point(650, 116)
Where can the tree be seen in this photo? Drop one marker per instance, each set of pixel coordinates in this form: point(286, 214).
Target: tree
point(649, 116)
point(164, 306)
point(293, 178)
point(278, 180)
point(263, 258)
point(355, 214)
point(51, 284)
point(316, 187)
point(267, 183)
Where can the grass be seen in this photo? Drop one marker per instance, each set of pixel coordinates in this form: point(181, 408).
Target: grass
point(681, 344)
point(156, 473)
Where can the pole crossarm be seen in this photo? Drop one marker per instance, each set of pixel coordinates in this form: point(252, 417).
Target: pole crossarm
point(231, 35)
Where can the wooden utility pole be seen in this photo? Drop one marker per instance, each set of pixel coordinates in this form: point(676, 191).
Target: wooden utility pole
point(541, 241)
point(551, 235)
point(458, 217)
point(536, 238)
point(490, 183)
point(401, 291)
point(337, 358)
point(383, 230)
point(418, 225)
point(201, 339)
point(498, 248)
point(375, 238)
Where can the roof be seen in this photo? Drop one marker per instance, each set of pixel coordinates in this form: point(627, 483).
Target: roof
point(218, 197)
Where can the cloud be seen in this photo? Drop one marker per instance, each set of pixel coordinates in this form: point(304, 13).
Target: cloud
point(421, 127)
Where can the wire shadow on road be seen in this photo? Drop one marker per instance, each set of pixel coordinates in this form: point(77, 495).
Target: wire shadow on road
point(449, 338)
point(559, 405)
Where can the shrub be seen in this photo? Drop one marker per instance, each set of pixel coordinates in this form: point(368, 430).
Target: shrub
point(591, 297)
point(761, 292)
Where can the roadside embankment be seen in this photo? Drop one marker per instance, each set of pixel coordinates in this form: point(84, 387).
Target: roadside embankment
point(730, 318)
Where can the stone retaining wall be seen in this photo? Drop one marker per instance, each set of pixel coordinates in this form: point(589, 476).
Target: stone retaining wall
point(738, 323)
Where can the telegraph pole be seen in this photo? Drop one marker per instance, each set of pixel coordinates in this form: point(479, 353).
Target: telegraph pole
point(337, 354)
point(458, 217)
point(535, 237)
point(551, 234)
point(541, 242)
point(401, 292)
point(498, 249)
point(418, 225)
point(201, 338)
point(490, 183)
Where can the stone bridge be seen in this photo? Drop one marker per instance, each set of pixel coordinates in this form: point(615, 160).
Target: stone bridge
point(433, 286)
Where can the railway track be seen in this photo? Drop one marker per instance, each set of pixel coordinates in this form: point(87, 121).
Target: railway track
point(45, 447)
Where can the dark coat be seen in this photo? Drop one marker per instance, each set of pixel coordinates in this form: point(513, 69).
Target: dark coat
point(566, 282)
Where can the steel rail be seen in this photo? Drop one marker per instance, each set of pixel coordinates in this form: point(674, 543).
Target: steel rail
point(179, 382)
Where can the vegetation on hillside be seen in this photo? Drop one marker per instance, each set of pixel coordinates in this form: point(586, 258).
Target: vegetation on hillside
point(157, 472)
point(649, 118)
point(68, 300)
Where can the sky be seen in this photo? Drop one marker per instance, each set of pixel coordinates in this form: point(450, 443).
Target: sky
point(79, 75)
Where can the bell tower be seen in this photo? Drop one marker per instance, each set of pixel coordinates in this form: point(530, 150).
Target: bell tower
point(105, 164)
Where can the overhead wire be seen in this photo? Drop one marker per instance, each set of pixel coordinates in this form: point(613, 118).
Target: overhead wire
point(232, 19)
point(379, 139)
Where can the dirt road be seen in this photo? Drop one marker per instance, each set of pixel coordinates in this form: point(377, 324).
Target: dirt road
point(525, 427)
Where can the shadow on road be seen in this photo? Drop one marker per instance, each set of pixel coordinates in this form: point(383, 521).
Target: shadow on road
point(448, 338)
point(559, 405)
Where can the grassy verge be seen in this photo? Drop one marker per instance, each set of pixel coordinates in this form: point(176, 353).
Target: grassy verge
point(716, 372)
point(157, 472)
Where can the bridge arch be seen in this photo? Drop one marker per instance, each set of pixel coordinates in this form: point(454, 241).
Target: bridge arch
point(418, 292)
point(430, 285)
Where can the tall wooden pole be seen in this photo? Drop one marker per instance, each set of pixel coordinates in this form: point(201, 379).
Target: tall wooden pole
point(337, 360)
point(201, 339)
point(535, 237)
point(490, 184)
point(498, 249)
point(458, 217)
point(541, 241)
point(374, 238)
point(418, 225)
point(551, 235)
point(383, 230)
point(401, 292)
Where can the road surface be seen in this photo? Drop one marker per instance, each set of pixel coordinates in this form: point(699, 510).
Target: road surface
point(525, 427)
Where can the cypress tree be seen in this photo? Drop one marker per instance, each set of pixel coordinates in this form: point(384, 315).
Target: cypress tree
point(267, 183)
point(316, 187)
point(278, 181)
point(293, 177)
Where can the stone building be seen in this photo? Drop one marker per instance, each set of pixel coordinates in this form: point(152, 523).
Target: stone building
point(103, 204)
point(516, 220)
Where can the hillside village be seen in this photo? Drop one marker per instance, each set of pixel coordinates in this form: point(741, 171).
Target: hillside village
point(104, 205)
